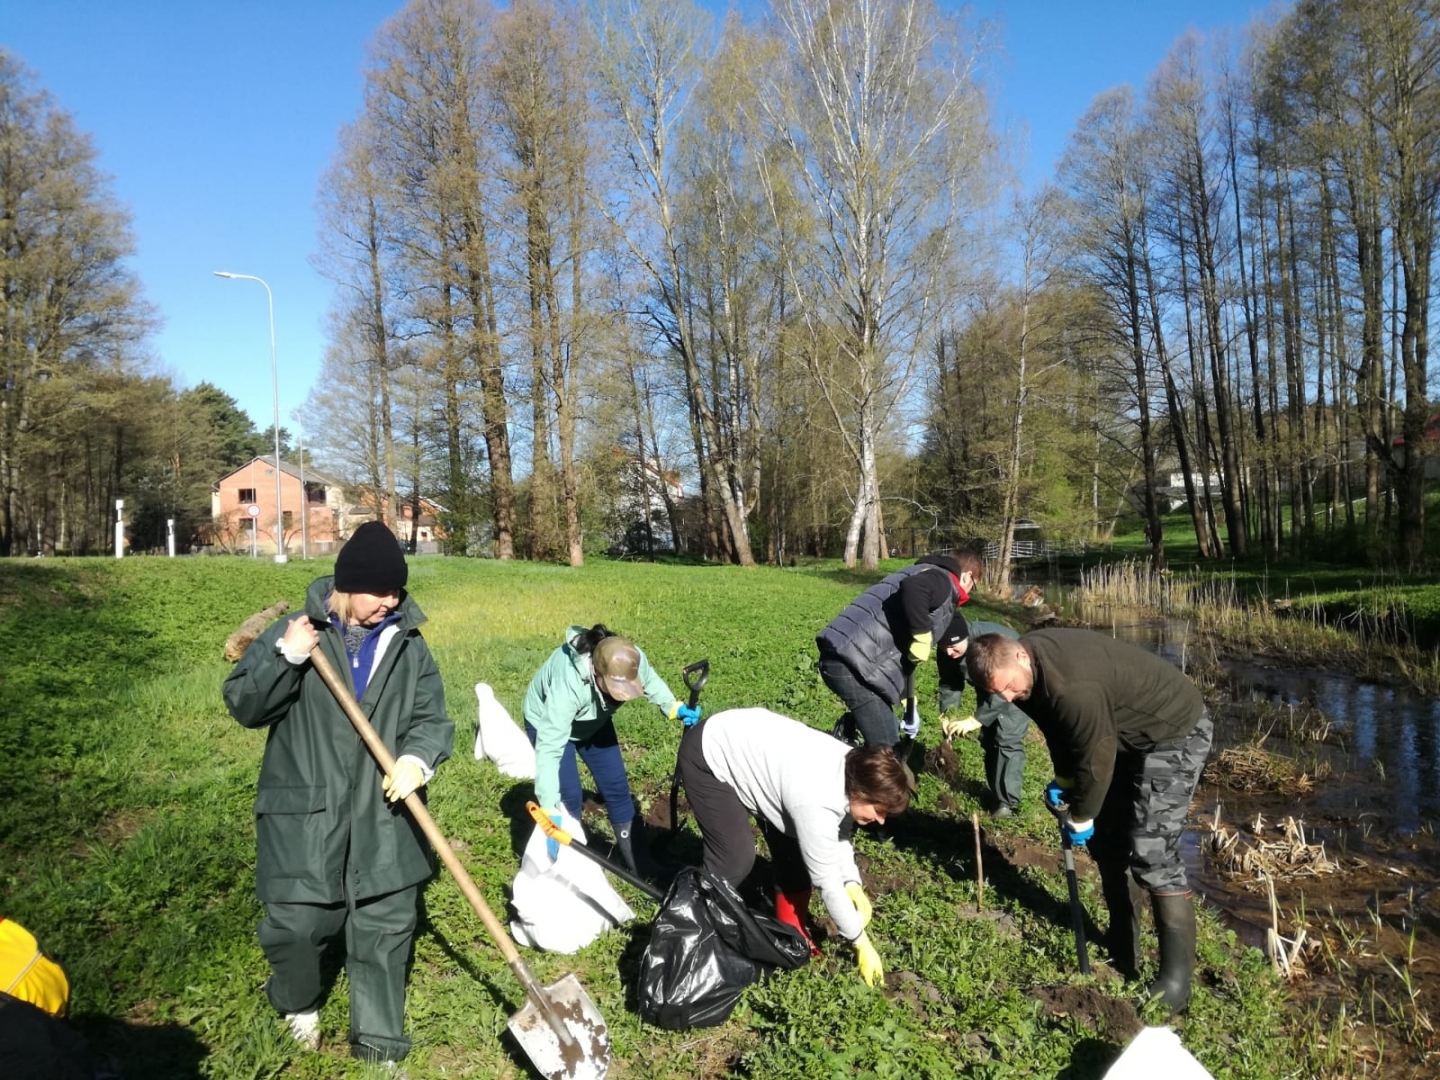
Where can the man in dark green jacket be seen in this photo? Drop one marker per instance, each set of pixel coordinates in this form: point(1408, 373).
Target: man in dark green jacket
point(1002, 726)
point(332, 854)
point(1128, 735)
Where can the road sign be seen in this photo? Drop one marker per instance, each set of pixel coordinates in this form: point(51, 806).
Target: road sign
point(253, 510)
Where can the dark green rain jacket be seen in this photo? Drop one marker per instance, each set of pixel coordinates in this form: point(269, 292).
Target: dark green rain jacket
point(322, 826)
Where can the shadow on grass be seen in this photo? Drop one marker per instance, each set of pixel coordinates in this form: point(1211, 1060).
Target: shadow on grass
point(950, 845)
point(94, 1047)
point(1091, 1060)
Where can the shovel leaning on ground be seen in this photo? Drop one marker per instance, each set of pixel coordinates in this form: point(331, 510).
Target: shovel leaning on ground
point(1077, 913)
point(696, 676)
point(559, 1027)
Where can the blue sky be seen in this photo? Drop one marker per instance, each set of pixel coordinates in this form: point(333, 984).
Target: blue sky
point(216, 120)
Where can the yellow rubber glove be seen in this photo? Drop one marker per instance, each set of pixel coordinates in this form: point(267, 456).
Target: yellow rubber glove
point(920, 648)
point(402, 783)
point(952, 727)
point(871, 969)
point(861, 901)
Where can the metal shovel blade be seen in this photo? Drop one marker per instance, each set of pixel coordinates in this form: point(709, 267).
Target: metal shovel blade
point(588, 1055)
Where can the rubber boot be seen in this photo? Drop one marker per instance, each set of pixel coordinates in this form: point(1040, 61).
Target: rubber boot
point(793, 909)
point(1175, 925)
point(637, 841)
point(624, 845)
point(1122, 939)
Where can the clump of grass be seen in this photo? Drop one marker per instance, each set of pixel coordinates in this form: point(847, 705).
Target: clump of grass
point(1254, 769)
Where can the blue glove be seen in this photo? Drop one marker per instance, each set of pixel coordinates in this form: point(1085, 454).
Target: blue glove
point(1079, 831)
point(552, 847)
point(1055, 793)
point(689, 715)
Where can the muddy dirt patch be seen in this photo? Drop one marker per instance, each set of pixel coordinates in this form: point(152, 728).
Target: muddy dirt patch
point(1113, 1018)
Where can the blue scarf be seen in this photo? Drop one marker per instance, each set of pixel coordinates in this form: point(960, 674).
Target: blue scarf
point(362, 652)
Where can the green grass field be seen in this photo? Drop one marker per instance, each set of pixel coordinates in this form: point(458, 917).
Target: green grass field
point(126, 842)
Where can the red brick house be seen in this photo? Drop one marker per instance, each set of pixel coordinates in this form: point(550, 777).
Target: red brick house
point(365, 505)
point(252, 485)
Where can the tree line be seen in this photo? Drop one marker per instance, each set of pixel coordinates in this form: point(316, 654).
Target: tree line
point(580, 251)
point(1259, 230)
point(720, 248)
point(82, 422)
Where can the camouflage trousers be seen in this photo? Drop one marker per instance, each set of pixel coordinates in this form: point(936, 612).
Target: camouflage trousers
point(1141, 822)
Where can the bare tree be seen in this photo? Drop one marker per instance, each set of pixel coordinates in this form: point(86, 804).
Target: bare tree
point(648, 57)
point(874, 112)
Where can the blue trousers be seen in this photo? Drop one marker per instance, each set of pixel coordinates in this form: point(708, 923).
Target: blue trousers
point(601, 754)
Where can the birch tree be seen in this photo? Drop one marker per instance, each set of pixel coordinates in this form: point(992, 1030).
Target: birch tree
point(876, 114)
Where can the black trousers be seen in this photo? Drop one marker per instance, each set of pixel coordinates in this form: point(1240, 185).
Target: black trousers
point(874, 716)
point(725, 824)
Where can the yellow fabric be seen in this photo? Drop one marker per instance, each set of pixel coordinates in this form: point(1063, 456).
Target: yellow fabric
point(26, 973)
point(861, 901)
point(674, 710)
point(920, 648)
point(402, 782)
point(871, 970)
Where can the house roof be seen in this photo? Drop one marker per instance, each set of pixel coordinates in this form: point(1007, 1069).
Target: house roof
point(312, 475)
point(1432, 431)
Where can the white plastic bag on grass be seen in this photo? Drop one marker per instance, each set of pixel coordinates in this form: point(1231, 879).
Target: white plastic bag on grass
point(1156, 1051)
point(564, 905)
point(501, 739)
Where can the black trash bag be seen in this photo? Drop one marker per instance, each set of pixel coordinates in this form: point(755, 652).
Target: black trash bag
point(705, 948)
point(37, 1046)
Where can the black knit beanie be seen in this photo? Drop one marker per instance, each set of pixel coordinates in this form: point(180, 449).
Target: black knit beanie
point(371, 562)
point(956, 632)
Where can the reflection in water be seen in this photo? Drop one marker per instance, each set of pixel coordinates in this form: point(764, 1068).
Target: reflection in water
point(1390, 735)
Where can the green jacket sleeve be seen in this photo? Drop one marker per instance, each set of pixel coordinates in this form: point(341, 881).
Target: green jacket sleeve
point(263, 685)
point(656, 690)
point(431, 737)
point(554, 700)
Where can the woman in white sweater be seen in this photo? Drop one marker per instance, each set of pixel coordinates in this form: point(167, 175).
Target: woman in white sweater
point(808, 791)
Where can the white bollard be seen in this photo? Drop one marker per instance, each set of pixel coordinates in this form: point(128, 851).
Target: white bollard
point(170, 535)
point(119, 528)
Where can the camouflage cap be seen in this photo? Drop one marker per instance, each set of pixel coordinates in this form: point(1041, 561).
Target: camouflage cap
point(617, 668)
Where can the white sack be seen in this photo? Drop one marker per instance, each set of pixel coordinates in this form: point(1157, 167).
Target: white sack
point(1156, 1051)
point(501, 739)
point(564, 905)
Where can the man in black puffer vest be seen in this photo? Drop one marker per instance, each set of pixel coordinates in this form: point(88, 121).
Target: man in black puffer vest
point(887, 631)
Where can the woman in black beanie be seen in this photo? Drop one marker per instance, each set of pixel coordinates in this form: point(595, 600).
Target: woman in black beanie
point(335, 851)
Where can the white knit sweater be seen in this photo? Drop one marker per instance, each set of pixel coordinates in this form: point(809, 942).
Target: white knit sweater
point(794, 776)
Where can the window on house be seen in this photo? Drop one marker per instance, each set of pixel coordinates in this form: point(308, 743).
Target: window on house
point(247, 495)
point(286, 520)
point(314, 493)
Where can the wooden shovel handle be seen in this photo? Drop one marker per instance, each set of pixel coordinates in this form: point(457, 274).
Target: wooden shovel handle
point(419, 811)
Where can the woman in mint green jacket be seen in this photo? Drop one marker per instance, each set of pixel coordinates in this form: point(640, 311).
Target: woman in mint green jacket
point(570, 709)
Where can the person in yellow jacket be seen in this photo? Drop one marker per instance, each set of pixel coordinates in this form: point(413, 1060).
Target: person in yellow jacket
point(27, 974)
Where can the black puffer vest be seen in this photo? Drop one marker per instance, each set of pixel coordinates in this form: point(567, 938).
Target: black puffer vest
point(864, 634)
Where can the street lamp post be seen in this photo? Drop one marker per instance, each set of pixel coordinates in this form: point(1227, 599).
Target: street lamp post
point(275, 388)
point(304, 497)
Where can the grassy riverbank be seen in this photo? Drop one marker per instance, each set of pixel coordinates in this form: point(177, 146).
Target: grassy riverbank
point(126, 844)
